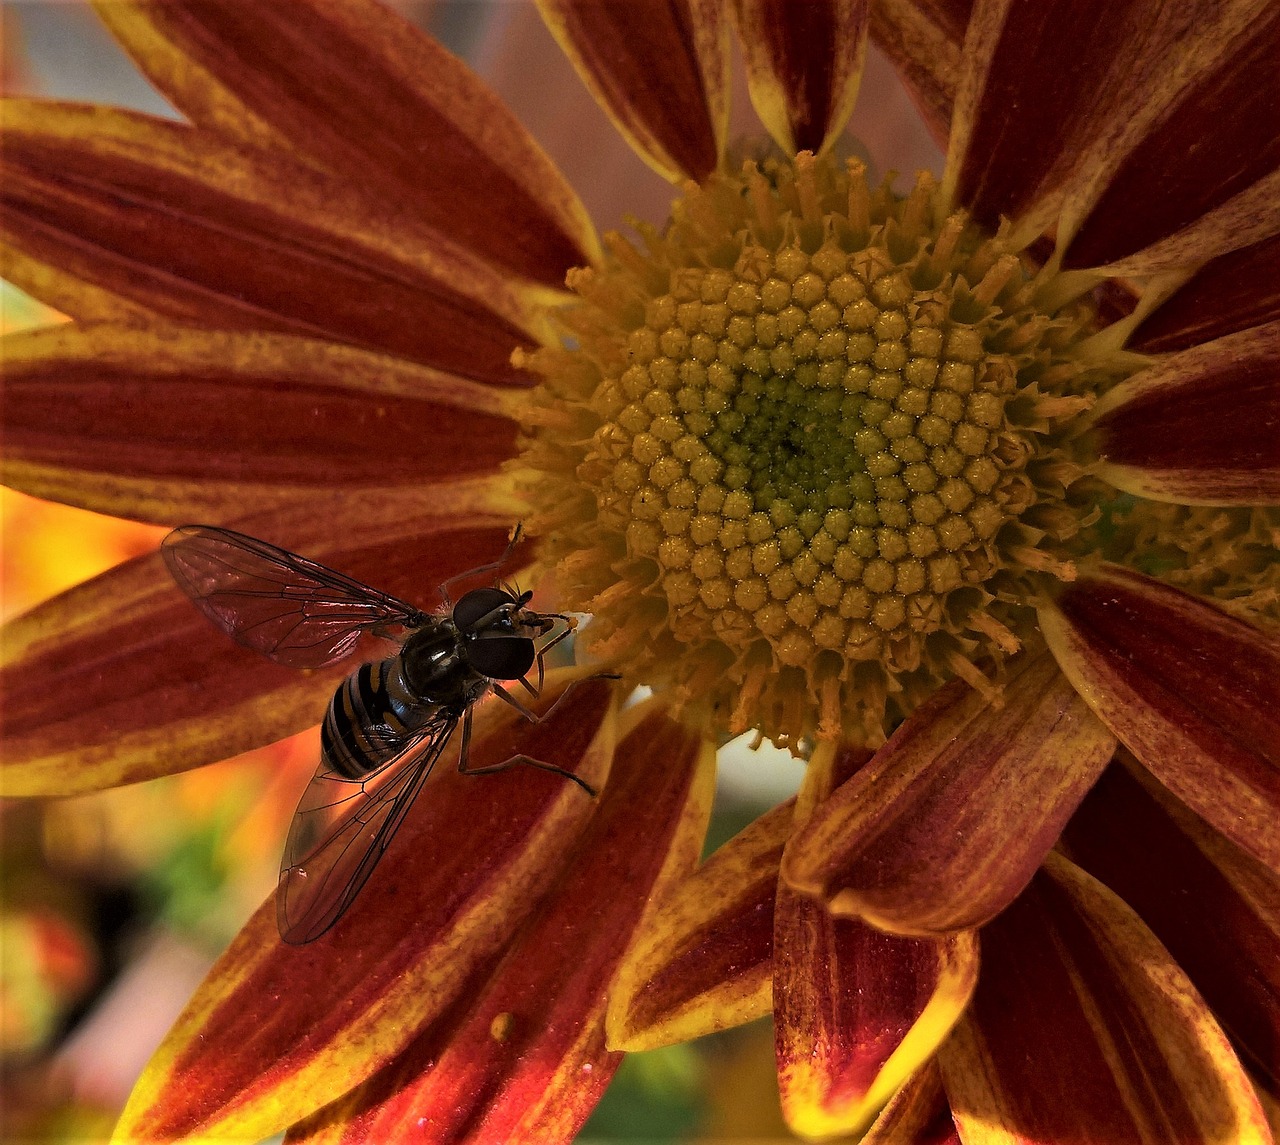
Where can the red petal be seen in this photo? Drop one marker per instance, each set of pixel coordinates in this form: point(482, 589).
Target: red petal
point(659, 69)
point(804, 62)
point(1035, 88)
point(527, 1060)
point(183, 224)
point(954, 814)
point(1207, 135)
point(1229, 293)
point(1202, 427)
point(171, 424)
point(923, 38)
point(857, 1012)
point(355, 88)
point(158, 689)
point(1216, 909)
point(704, 960)
point(1192, 692)
point(1084, 1029)
point(275, 1031)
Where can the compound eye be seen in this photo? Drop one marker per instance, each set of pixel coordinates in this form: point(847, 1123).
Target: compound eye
point(476, 605)
point(500, 656)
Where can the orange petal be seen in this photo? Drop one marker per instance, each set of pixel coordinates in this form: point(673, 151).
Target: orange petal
point(275, 1031)
point(352, 87)
point(1232, 292)
point(660, 72)
point(954, 814)
point(166, 424)
point(923, 38)
point(1191, 691)
point(857, 1012)
point(159, 690)
point(1139, 203)
point(183, 224)
point(1201, 427)
point(703, 960)
point(1084, 1029)
point(804, 62)
point(1134, 837)
point(527, 1060)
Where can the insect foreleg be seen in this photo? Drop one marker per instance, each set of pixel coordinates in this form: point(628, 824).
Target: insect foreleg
point(492, 566)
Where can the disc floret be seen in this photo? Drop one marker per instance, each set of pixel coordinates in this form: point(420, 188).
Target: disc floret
point(809, 451)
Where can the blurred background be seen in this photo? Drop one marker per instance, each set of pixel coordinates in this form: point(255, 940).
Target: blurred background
point(112, 906)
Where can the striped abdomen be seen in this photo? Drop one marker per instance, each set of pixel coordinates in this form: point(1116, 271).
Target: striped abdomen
point(369, 718)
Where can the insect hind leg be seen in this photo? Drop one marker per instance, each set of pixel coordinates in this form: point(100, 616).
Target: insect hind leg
point(526, 761)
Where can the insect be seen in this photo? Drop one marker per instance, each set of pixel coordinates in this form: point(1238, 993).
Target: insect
point(390, 721)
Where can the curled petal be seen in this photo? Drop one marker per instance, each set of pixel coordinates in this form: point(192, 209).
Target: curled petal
point(954, 814)
point(857, 1011)
point(1202, 427)
point(276, 1030)
point(923, 38)
point(121, 679)
point(169, 424)
point(351, 87)
point(804, 62)
point(918, 1113)
point(704, 960)
point(182, 224)
point(1158, 857)
point(659, 68)
point(526, 1060)
point(1192, 692)
point(1084, 1029)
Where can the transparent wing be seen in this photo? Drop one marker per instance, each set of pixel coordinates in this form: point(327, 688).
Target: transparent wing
point(291, 609)
point(342, 828)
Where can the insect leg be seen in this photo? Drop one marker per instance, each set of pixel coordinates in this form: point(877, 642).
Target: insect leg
point(502, 560)
point(532, 716)
point(527, 761)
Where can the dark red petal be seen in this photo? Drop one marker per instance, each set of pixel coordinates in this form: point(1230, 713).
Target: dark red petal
point(804, 62)
point(356, 89)
point(923, 38)
point(1216, 909)
point(182, 224)
point(659, 68)
point(1192, 692)
point(158, 689)
point(1201, 427)
point(1040, 74)
point(1232, 292)
point(525, 1060)
point(950, 820)
point(1083, 1029)
point(1216, 141)
point(857, 1011)
point(275, 1031)
point(169, 424)
point(705, 956)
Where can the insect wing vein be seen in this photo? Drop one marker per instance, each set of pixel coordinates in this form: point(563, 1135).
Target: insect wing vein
point(343, 827)
point(293, 610)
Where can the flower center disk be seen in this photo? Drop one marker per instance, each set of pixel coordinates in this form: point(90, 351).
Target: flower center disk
point(806, 453)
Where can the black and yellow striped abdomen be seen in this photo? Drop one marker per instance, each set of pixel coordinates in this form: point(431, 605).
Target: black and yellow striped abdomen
point(370, 717)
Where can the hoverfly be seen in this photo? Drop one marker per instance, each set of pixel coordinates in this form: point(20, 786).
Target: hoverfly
point(390, 721)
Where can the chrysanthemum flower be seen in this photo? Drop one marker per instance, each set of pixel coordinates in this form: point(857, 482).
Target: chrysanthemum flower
point(962, 491)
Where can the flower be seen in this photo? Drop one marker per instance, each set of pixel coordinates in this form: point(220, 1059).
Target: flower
point(964, 489)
